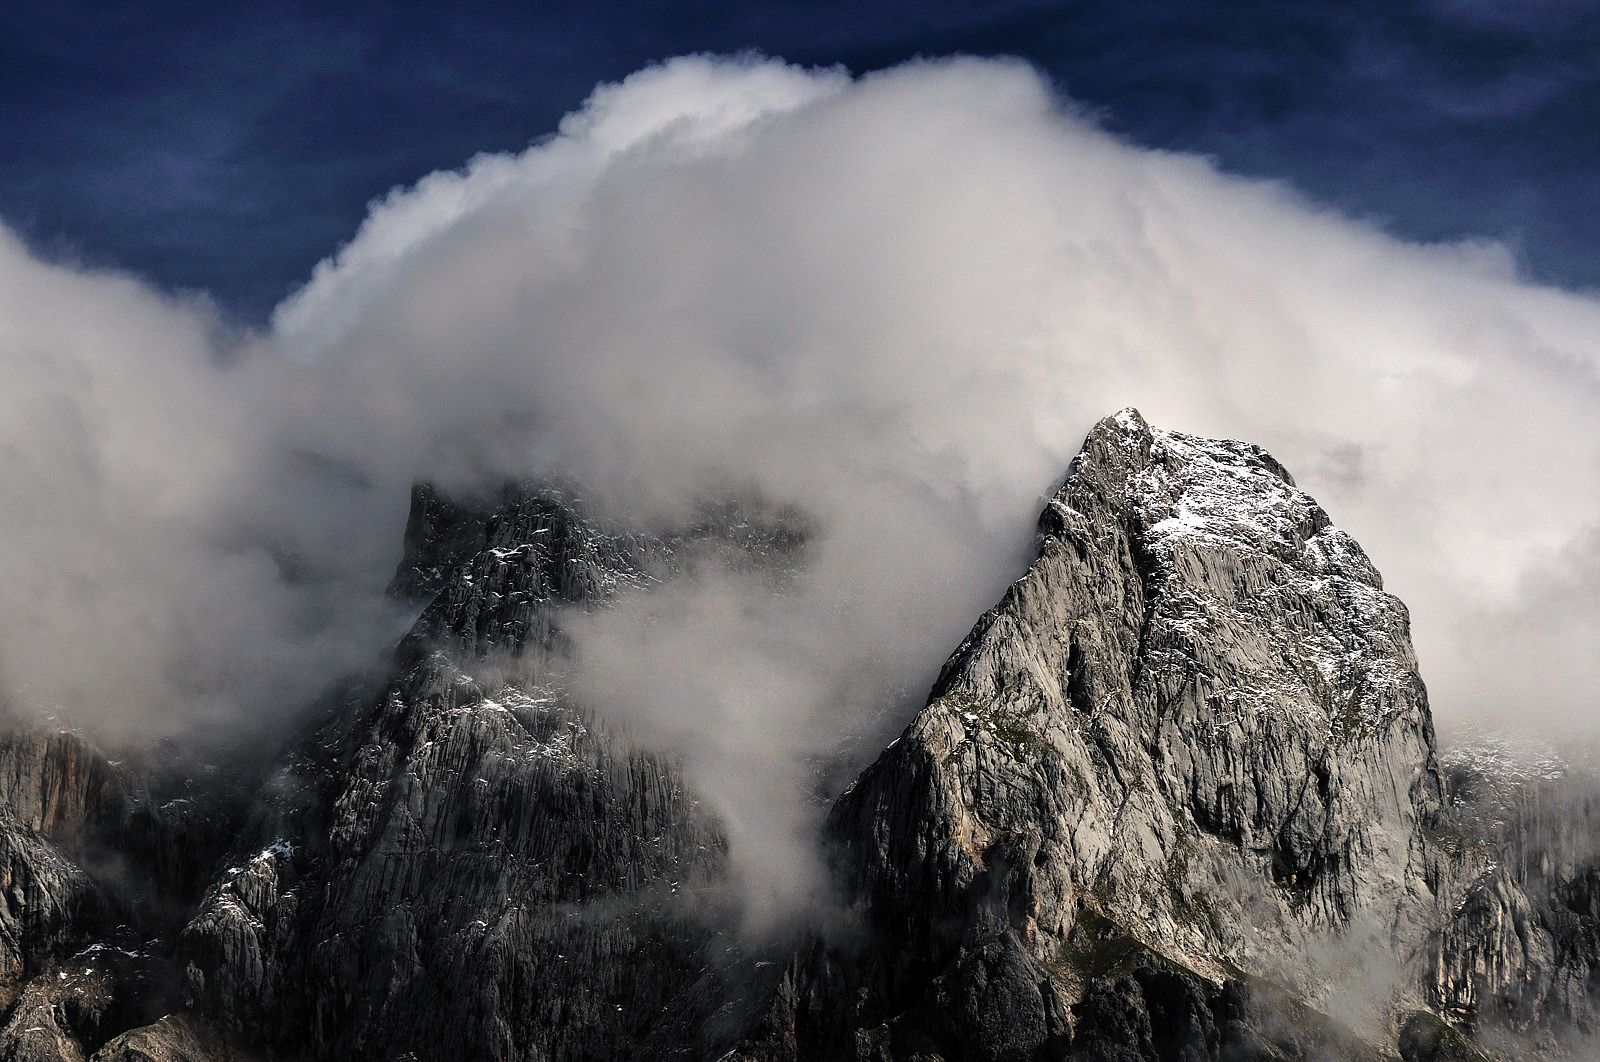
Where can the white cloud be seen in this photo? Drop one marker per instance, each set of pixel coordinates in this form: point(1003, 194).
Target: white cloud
point(898, 301)
point(142, 562)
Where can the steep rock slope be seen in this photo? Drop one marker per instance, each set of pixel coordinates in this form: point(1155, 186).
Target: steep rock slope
point(1517, 952)
point(1191, 740)
point(460, 862)
point(98, 861)
point(52, 785)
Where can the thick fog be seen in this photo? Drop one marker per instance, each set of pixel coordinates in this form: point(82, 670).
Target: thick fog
point(897, 302)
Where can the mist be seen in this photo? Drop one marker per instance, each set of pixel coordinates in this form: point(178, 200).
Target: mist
point(894, 302)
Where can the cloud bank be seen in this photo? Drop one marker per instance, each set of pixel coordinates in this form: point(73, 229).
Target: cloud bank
point(897, 302)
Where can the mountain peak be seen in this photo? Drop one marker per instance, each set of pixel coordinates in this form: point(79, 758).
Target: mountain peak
point(1175, 793)
point(1200, 681)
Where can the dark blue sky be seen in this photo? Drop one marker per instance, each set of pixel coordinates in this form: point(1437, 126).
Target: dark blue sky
point(228, 147)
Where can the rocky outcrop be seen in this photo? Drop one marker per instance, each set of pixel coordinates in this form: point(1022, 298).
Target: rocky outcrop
point(51, 786)
point(492, 877)
point(495, 575)
point(99, 861)
point(172, 1038)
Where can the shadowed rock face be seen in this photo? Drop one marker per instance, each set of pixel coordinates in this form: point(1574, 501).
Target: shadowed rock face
point(1173, 797)
point(486, 874)
point(99, 860)
point(460, 862)
point(52, 785)
point(1517, 951)
point(495, 577)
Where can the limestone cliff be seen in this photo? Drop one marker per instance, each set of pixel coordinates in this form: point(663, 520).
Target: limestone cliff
point(1176, 797)
point(1191, 740)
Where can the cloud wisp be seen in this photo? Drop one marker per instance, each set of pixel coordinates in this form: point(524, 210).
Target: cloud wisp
point(895, 302)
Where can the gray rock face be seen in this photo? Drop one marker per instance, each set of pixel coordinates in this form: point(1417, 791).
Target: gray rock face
point(52, 786)
point(96, 859)
point(493, 879)
point(462, 863)
point(1198, 713)
point(1193, 730)
point(1169, 801)
point(494, 577)
point(1517, 951)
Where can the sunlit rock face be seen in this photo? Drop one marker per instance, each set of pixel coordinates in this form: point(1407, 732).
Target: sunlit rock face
point(1198, 713)
point(1194, 731)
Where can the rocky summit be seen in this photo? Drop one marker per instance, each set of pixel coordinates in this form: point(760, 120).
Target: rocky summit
point(1176, 798)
